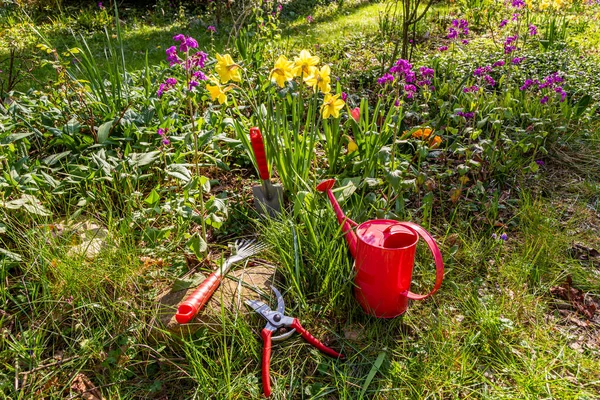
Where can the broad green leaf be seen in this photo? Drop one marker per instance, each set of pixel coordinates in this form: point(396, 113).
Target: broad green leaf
point(10, 254)
point(54, 158)
point(197, 245)
point(152, 198)
point(2, 228)
point(179, 171)
point(184, 284)
point(142, 159)
point(104, 131)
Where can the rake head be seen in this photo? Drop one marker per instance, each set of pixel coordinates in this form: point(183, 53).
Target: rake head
point(244, 249)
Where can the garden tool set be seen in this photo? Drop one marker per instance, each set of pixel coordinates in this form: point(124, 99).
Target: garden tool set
point(267, 197)
point(276, 320)
point(384, 254)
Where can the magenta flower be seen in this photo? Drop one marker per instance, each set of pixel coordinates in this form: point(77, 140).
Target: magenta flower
point(517, 60)
point(465, 42)
point(481, 71)
point(466, 115)
point(426, 72)
point(166, 141)
point(518, 3)
point(503, 23)
point(515, 17)
point(211, 29)
point(452, 33)
point(490, 81)
point(310, 19)
point(100, 6)
point(544, 100)
point(279, 7)
point(443, 48)
point(499, 63)
point(344, 96)
point(471, 89)
point(169, 84)
point(387, 78)
point(533, 30)
point(540, 163)
point(161, 131)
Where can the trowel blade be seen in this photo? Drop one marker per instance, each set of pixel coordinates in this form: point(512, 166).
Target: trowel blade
point(268, 206)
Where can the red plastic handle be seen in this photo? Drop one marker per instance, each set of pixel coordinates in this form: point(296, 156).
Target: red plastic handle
point(266, 361)
point(259, 152)
point(314, 341)
point(437, 255)
point(199, 297)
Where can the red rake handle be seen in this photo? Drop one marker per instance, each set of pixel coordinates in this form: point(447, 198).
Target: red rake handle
point(266, 361)
point(195, 301)
point(314, 341)
point(259, 153)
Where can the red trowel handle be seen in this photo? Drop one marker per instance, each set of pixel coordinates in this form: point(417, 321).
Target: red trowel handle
point(199, 297)
point(259, 153)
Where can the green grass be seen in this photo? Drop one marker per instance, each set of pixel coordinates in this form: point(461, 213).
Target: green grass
point(492, 331)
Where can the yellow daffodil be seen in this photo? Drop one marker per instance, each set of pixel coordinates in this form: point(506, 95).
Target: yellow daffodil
point(305, 64)
point(352, 147)
point(227, 69)
point(282, 71)
point(217, 93)
point(332, 105)
point(320, 78)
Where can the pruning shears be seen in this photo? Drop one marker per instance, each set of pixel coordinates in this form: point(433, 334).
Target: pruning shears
point(275, 320)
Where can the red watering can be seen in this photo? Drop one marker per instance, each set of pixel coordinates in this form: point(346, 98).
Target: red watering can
point(384, 257)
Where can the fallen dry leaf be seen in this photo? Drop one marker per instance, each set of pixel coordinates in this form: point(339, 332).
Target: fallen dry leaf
point(85, 388)
point(576, 298)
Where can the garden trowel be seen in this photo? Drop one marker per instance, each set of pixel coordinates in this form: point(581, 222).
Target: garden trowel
point(267, 197)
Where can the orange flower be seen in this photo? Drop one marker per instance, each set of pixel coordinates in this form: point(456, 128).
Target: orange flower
point(422, 133)
point(435, 142)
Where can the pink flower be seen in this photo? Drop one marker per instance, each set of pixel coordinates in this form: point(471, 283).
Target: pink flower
point(344, 96)
point(443, 48)
point(355, 114)
point(211, 29)
point(310, 19)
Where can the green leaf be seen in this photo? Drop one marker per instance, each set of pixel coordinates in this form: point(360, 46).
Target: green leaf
point(104, 131)
point(142, 159)
point(2, 228)
point(184, 284)
point(152, 198)
point(373, 371)
point(179, 171)
point(205, 182)
point(582, 104)
point(54, 158)
point(197, 245)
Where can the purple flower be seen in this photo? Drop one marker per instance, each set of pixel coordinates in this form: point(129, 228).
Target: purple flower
point(397, 103)
point(426, 72)
point(100, 6)
point(528, 83)
point(401, 67)
point(310, 19)
point(410, 91)
point(387, 78)
point(499, 63)
point(199, 75)
point(169, 84)
point(563, 94)
point(465, 42)
point(540, 163)
point(509, 49)
point(466, 115)
point(166, 141)
point(172, 56)
point(171, 81)
point(443, 48)
point(192, 84)
point(344, 96)
point(494, 236)
point(518, 3)
point(191, 42)
point(517, 60)
point(161, 89)
point(533, 30)
point(161, 131)
point(480, 71)
point(503, 23)
point(490, 81)
point(211, 29)
point(452, 33)
point(504, 237)
point(279, 7)
point(515, 17)
point(471, 89)
point(544, 100)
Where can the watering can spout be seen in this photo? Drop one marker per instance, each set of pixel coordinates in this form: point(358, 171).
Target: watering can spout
point(347, 223)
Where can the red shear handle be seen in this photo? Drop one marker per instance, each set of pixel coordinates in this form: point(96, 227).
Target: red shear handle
point(437, 255)
point(195, 301)
point(259, 152)
point(312, 340)
point(266, 361)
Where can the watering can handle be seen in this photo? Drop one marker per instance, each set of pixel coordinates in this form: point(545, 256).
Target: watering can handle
point(437, 255)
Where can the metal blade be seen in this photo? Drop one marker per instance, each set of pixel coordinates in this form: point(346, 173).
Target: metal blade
point(265, 204)
point(280, 302)
point(258, 306)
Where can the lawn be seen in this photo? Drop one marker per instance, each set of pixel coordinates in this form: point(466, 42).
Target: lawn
point(128, 172)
